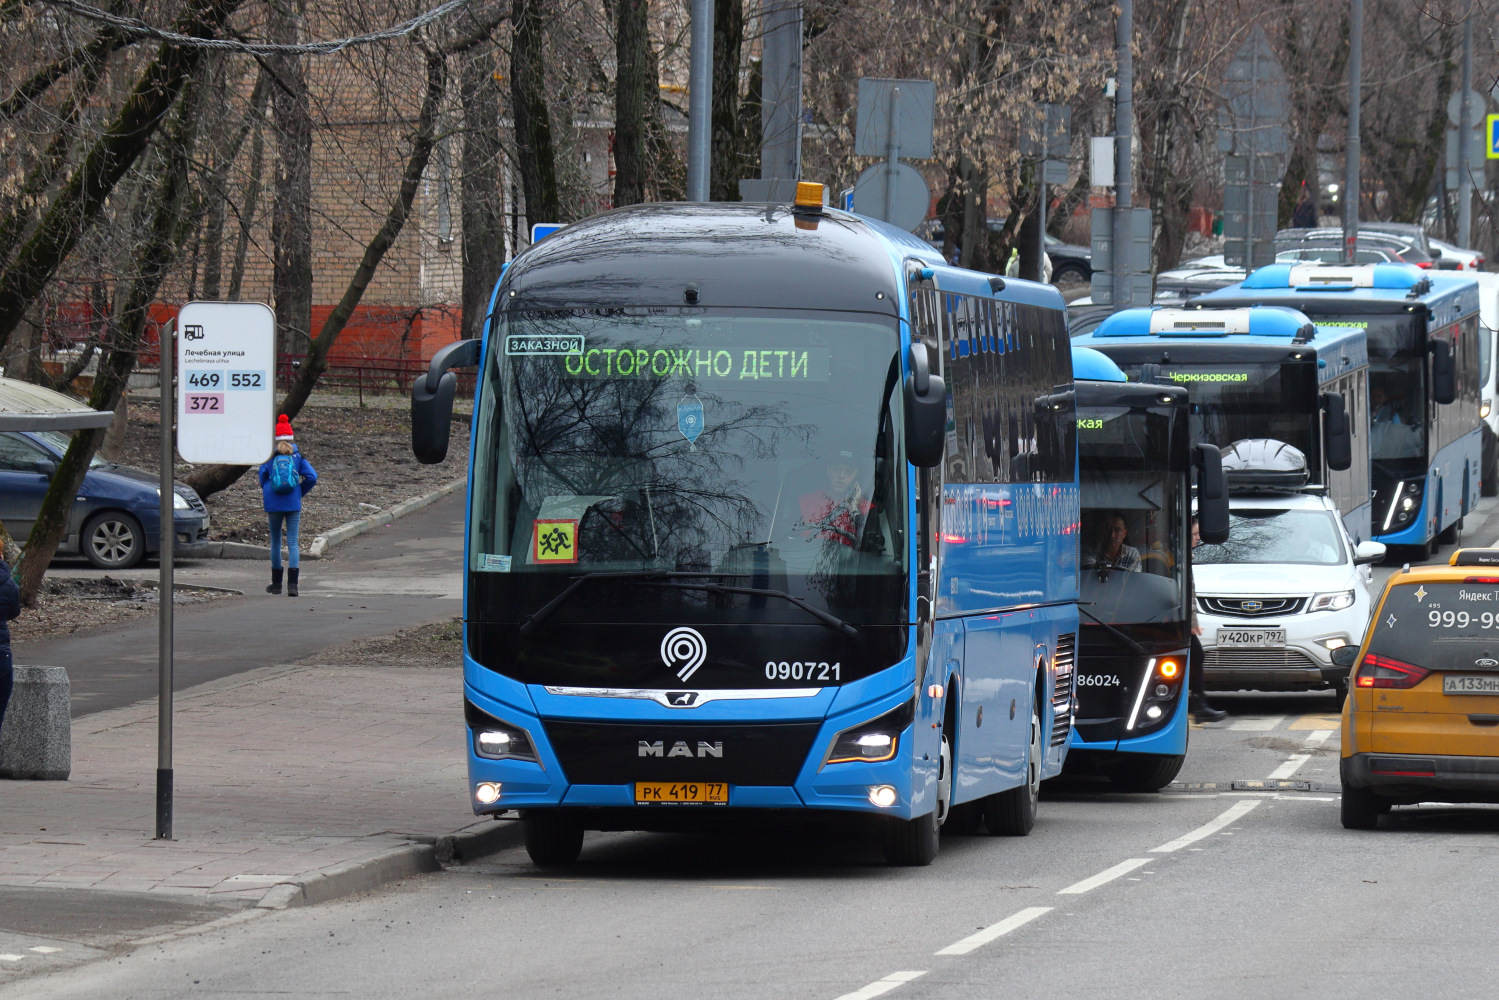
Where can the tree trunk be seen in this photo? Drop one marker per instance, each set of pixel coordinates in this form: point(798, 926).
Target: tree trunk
point(291, 213)
point(1031, 267)
point(483, 206)
point(213, 478)
point(632, 52)
point(83, 195)
point(247, 214)
point(533, 123)
point(169, 227)
point(9, 550)
point(728, 143)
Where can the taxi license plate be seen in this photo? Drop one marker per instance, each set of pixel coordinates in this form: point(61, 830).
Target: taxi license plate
point(1470, 684)
point(681, 793)
point(1261, 638)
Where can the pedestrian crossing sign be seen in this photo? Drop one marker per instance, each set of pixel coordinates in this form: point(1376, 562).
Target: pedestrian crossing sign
point(554, 541)
point(1491, 134)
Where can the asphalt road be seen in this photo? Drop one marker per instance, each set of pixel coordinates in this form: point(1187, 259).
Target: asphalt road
point(1189, 893)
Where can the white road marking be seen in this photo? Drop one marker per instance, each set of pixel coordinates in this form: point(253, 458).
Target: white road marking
point(11, 958)
point(1259, 725)
point(882, 986)
point(1317, 737)
point(1108, 875)
point(1291, 766)
point(1005, 926)
point(42, 949)
point(1230, 816)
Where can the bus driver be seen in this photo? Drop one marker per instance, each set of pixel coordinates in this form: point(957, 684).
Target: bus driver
point(837, 512)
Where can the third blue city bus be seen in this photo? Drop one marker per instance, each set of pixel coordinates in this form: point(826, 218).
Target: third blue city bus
point(769, 511)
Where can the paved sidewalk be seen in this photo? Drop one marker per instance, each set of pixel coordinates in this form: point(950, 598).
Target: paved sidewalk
point(285, 776)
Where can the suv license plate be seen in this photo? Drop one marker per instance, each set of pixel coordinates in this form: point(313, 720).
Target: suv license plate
point(681, 793)
point(1262, 638)
point(1470, 684)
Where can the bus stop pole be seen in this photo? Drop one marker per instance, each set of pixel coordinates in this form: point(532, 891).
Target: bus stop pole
point(164, 593)
point(1465, 137)
point(700, 100)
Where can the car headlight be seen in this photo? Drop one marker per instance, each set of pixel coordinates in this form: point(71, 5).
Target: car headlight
point(1332, 602)
point(872, 741)
point(179, 502)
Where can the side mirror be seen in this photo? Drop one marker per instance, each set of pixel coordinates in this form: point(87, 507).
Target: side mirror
point(1365, 553)
point(45, 467)
point(1345, 656)
point(1443, 371)
point(1212, 494)
point(1436, 252)
point(926, 411)
point(432, 400)
point(1336, 437)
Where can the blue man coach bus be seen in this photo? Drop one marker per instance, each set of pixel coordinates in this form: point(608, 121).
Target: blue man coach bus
point(769, 509)
point(1261, 373)
point(1136, 459)
point(1425, 435)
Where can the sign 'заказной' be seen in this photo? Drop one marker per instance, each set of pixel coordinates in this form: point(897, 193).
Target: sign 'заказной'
point(226, 365)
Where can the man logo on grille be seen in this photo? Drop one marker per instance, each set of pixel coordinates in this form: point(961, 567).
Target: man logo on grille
point(683, 650)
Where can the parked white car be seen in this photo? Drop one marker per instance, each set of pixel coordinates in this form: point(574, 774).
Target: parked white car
point(1287, 588)
point(1468, 260)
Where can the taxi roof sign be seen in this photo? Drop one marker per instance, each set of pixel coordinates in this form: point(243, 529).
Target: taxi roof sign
point(1474, 557)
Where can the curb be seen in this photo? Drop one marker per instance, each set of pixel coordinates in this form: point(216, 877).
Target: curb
point(222, 550)
point(351, 529)
point(397, 863)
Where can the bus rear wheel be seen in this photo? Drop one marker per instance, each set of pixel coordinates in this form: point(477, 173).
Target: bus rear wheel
point(1146, 773)
point(1012, 813)
point(553, 837)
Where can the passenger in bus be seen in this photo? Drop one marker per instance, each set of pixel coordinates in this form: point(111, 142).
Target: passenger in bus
point(837, 512)
point(1111, 551)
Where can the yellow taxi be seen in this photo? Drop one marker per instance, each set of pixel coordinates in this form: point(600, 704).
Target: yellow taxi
point(1421, 723)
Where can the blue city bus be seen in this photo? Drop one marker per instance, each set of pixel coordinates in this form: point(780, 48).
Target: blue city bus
point(1261, 373)
point(1136, 458)
point(1425, 433)
point(769, 510)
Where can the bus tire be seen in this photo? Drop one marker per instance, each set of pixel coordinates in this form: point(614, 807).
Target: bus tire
point(553, 836)
point(1359, 809)
point(963, 820)
point(1146, 773)
point(910, 843)
point(1012, 813)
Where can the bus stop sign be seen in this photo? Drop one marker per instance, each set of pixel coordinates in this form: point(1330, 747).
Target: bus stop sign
point(1491, 130)
point(226, 368)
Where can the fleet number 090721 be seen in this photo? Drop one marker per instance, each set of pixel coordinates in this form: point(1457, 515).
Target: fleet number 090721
point(1461, 619)
point(797, 670)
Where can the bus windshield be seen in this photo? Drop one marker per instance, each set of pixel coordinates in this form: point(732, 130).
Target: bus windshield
point(1133, 513)
point(1235, 401)
point(759, 450)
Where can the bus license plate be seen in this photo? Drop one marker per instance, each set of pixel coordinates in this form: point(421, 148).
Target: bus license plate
point(1262, 638)
point(681, 793)
point(1470, 684)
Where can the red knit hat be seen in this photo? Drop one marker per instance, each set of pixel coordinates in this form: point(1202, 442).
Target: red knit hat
point(283, 428)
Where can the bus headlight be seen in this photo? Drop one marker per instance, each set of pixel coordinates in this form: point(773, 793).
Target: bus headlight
point(1332, 602)
point(502, 742)
point(1485, 407)
point(872, 741)
point(1405, 504)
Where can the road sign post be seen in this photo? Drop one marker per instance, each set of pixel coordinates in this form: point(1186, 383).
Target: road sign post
point(223, 402)
point(894, 120)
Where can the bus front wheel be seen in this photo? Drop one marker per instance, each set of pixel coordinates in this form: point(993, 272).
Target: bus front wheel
point(553, 837)
point(1146, 773)
point(913, 843)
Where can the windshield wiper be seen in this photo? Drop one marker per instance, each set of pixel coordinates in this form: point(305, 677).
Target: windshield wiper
point(1141, 650)
point(831, 621)
point(536, 617)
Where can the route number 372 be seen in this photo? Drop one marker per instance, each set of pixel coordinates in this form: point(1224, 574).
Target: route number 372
point(798, 671)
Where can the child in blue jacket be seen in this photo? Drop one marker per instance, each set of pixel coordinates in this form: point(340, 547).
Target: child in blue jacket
point(284, 480)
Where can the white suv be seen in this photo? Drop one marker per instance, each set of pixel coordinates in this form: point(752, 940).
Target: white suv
point(1286, 589)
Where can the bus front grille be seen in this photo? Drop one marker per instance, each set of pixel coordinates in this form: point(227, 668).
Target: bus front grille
point(1061, 698)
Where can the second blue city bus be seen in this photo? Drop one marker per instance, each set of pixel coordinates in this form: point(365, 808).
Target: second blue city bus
point(1136, 459)
point(769, 510)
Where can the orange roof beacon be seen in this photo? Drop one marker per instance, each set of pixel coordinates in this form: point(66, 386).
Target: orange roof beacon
point(1421, 722)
